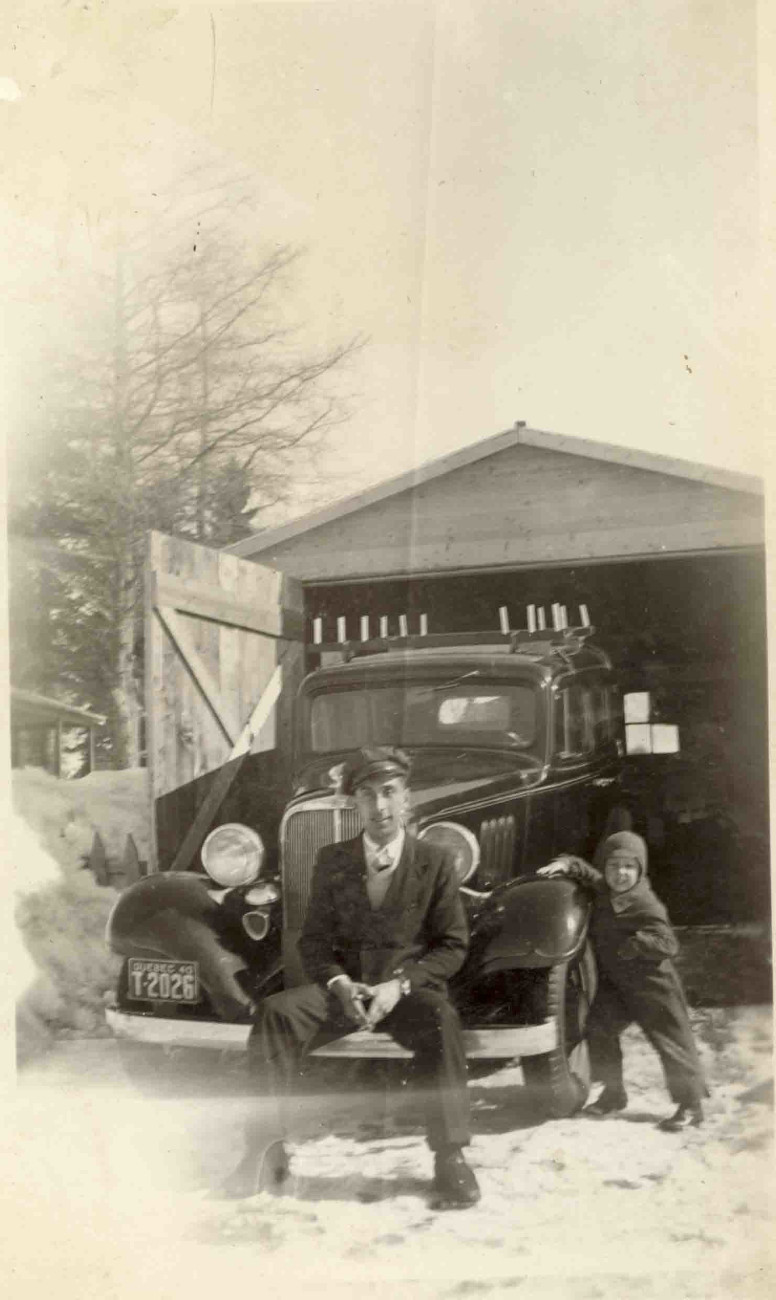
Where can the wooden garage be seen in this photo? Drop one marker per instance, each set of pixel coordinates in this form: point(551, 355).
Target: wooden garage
point(667, 556)
point(522, 498)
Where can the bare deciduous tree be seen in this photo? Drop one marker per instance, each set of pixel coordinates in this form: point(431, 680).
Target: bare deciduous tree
point(185, 402)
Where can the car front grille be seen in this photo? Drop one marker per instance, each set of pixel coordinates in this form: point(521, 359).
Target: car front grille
point(305, 831)
point(497, 850)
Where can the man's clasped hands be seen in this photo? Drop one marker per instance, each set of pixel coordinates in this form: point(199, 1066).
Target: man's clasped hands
point(366, 1004)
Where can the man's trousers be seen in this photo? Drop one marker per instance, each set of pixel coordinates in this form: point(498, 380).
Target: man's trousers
point(661, 1014)
point(425, 1022)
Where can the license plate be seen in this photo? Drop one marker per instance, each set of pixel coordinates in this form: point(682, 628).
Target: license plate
point(163, 981)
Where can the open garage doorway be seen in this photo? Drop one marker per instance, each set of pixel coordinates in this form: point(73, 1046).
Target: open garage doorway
point(687, 635)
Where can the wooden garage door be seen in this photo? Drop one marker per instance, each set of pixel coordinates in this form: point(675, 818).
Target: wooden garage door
point(224, 656)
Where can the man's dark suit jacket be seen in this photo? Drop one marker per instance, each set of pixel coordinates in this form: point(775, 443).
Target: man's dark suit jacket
point(419, 930)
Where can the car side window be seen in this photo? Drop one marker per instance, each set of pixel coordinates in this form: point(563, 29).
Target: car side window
point(575, 721)
point(607, 706)
point(616, 723)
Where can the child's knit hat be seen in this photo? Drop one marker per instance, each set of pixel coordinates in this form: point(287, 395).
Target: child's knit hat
point(626, 843)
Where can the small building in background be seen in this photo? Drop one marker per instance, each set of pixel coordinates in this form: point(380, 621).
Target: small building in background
point(57, 737)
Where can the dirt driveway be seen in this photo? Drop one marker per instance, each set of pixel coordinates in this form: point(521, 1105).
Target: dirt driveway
point(109, 1192)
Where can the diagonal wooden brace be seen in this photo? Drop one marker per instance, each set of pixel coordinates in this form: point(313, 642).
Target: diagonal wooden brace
point(267, 702)
point(176, 629)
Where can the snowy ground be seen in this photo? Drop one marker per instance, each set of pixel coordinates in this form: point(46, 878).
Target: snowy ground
point(110, 1192)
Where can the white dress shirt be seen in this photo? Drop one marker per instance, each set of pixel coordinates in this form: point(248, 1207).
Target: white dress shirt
point(381, 863)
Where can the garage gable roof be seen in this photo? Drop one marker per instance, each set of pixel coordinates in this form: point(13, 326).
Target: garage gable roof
point(730, 480)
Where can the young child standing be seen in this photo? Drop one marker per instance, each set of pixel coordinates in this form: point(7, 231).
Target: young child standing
point(634, 945)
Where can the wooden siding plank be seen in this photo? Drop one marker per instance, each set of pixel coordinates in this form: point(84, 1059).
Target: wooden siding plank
point(387, 561)
point(292, 657)
point(223, 607)
point(229, 639)
point(154, 690)
point(257, 672)
point(209, 746)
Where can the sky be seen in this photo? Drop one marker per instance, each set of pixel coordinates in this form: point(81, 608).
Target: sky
point(534, 211)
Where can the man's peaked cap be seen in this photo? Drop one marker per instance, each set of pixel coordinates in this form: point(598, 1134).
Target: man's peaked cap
point(383, 761)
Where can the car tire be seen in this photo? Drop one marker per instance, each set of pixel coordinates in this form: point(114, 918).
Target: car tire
point(159, 1071)
point(560, 1079)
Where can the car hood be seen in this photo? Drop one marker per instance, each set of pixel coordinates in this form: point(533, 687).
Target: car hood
point(438, 775)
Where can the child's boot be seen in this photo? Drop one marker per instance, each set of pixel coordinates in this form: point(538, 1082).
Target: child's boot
point(610, 1100)
point(687, 1115)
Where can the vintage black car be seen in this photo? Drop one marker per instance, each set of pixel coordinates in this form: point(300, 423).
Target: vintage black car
point(515, 741)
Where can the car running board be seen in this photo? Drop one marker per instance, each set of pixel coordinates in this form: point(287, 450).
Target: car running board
point(486, 1043)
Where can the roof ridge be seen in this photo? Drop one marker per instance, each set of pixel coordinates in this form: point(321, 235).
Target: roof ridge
point(519, 434)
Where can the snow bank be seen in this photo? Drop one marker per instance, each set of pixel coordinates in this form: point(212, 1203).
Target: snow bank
point(61, 970)
point(25, 984)
point(66, 814)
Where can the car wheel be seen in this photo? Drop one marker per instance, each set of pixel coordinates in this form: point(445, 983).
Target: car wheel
point(159, 1071)
point(564, 993)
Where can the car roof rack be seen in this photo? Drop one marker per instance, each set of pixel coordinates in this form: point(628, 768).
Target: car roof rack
point(536, 644)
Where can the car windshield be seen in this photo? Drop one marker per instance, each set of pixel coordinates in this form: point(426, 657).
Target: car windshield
point(468, 712)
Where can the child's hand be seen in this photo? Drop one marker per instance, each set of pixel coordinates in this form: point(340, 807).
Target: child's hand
point(559, 867)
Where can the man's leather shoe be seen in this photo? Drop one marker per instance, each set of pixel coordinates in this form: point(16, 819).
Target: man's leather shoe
point(455, 1186)
point(685, 1116)
point(262, 1169)
point(610, 1100)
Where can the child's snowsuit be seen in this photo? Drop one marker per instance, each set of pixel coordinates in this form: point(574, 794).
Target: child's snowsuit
point(634, 945)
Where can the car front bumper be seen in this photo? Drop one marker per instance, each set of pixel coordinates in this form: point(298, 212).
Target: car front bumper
point(486, 1043)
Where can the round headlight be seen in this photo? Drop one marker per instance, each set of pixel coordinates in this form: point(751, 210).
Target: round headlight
point(461, 845)
point(233, 855)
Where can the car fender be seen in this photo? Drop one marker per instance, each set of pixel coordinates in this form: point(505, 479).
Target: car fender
point(140, 903)
point(174, 915)
point(532, 922)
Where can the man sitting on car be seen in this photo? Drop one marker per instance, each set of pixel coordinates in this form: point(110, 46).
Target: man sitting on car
point(384, 931)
